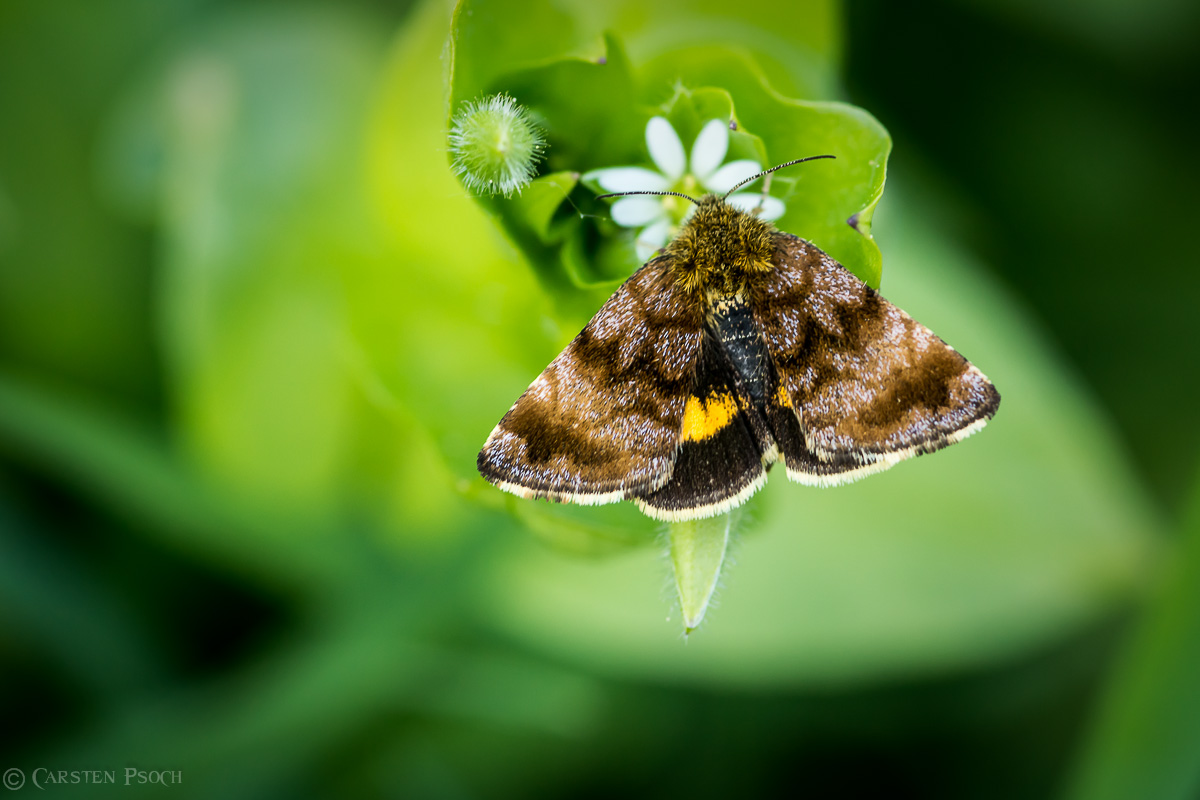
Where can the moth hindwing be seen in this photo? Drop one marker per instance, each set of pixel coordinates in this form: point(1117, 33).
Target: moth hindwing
point(737, 347)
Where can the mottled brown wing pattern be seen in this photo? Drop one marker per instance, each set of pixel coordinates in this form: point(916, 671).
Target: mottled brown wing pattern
point(602, 422)
point(869, 384)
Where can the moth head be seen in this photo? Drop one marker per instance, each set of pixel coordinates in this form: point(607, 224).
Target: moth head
point(720, 246)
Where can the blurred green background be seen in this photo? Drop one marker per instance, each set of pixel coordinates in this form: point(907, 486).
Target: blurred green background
point(252, 332)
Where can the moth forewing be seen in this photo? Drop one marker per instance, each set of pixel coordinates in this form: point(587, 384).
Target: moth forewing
point(602, 422)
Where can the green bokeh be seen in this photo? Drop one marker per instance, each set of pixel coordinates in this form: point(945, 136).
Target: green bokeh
point(253, 333)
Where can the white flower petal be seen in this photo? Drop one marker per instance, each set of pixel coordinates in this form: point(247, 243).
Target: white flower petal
point(731, 175)
point(665, 148)
point(709, 149)
point(772, 207)
point(644, 251)
point(650, 239)
point(655, 234)
point(628, 179)
point(634, 212)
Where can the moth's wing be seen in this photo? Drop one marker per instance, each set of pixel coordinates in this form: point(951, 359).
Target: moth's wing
point(602, 421)
point(868, 384)
point(722, 442)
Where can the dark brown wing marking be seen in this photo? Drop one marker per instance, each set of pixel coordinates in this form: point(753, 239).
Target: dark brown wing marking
point(602, 421)
point(724, 447)
point(869, 385)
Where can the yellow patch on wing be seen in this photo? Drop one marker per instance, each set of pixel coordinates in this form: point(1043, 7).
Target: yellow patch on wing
point(703, 418)
point(781, 397)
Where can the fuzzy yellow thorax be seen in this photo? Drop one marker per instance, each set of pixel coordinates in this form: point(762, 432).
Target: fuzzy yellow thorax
point(720, 247)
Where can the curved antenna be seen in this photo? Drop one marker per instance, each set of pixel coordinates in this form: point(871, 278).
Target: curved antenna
point(626, 194)
point(753, 178)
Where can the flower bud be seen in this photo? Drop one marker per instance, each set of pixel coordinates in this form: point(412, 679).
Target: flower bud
point(496, 146)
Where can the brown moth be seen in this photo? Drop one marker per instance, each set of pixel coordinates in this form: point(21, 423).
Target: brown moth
point(736, 347)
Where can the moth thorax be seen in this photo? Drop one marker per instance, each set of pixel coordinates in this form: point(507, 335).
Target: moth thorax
point(721, 247)
point(722, 304)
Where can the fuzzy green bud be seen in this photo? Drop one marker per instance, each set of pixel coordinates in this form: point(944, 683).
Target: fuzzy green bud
point(496, 146)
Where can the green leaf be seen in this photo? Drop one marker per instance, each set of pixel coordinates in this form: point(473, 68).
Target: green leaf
point(538, 203)
point(830, 203)
point(796, 42)
point(1146, 739)
point(256, 235)
point(697, 553)
point(589, 117)
point(446, 323)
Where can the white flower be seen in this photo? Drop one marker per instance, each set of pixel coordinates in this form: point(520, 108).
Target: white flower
point(659, 217)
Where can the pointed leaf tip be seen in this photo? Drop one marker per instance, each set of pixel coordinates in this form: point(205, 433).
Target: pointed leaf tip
point(698, 549)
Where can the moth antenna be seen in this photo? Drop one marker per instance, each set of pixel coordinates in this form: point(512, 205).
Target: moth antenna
point(753, 178)
point(626, 194)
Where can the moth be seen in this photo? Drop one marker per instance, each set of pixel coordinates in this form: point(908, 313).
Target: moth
point(737, 347)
